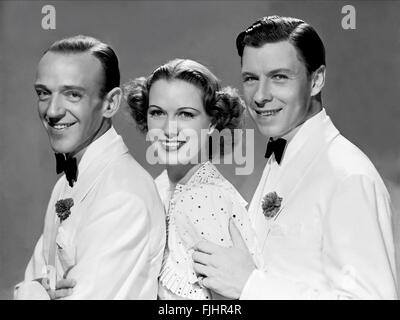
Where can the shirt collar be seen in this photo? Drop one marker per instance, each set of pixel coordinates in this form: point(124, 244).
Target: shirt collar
point(97, 147)
point(296, 138)
point(96, 157)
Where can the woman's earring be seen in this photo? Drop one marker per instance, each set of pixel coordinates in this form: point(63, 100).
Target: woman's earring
point(210, 130)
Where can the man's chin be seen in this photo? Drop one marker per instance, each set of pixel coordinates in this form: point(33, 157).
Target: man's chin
point(61, 148)
point(266, 132)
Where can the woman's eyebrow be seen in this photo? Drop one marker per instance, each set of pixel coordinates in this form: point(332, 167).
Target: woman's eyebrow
point(182, 108)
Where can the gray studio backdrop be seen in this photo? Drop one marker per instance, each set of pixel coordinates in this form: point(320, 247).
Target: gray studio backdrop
point(361, 93)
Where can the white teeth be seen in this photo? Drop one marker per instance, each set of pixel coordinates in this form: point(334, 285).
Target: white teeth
point(58, 127)
point(172, 144)
point(61, 126)
point(268, 112)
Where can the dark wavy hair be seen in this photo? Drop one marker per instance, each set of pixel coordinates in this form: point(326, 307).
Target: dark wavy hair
point(224, 106)
point(102, 51)
point(300, 34)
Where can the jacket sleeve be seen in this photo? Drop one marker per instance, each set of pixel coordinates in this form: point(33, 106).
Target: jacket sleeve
point(113, 257)
point(357, 251)
point(29, 289)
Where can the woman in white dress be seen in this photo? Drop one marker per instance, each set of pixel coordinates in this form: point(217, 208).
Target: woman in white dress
point(179, 106)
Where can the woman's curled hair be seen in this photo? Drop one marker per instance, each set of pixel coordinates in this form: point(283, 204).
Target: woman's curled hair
point(224, 106)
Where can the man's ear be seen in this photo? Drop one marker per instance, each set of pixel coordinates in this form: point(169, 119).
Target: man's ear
point(318, 80)
point(112, 102)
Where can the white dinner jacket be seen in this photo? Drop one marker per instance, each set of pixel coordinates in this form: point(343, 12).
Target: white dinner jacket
point(332, 237)
point(115, 235)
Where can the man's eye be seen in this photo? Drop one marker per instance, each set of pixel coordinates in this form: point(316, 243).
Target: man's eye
point(280, 77)
point(155, 113)
point(249, 79)
point(74, 95)
point(42, 95)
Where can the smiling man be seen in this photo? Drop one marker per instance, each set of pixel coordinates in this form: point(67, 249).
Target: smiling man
point(321, 211)
point(109, 244)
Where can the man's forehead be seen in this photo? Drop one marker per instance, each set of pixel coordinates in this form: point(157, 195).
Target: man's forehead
point(69, 58)
point(72, 67)
point(275, 55)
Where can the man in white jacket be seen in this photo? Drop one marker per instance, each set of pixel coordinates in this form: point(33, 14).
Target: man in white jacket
point(109, 244)
point(321, 211)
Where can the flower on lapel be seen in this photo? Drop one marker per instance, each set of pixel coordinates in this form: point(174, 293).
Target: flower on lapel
point(63, 207)
point(271, 204)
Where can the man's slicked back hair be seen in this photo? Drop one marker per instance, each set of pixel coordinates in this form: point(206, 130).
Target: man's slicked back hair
point(102, 51)
point(300, 34)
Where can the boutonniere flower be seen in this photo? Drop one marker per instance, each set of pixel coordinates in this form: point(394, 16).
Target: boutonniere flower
point(63, 207)
point(271, 204)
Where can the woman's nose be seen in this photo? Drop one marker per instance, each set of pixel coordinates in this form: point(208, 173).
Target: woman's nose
point(170, 128)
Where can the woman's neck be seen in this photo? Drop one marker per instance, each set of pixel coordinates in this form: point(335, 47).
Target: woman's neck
point(181, 173)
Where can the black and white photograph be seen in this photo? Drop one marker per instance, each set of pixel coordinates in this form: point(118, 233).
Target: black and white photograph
point(199, 150)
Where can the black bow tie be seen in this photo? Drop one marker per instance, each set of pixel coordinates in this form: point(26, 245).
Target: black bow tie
point(68, 166)
point(277, 147)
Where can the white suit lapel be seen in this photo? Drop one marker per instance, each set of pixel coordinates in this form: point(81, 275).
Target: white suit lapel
point(97, 163)
point(255, 214)
point(310, 143)
point(96, 159)
point(49, 230)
